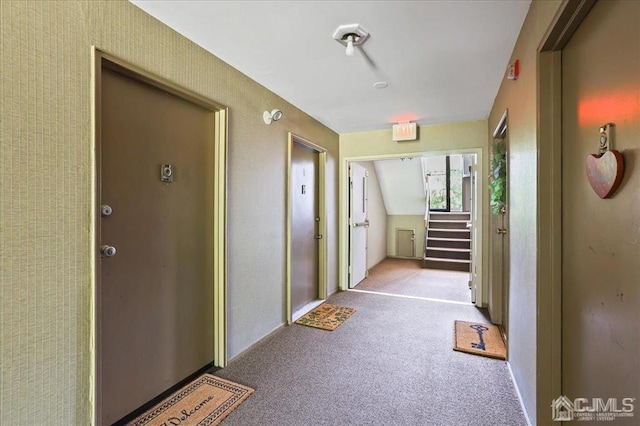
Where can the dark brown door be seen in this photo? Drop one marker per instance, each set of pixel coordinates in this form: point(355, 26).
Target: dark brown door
point(601, 237)
point(304, 226)
point(156, 293)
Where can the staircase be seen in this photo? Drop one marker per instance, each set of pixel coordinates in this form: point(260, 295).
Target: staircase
point(448, 241)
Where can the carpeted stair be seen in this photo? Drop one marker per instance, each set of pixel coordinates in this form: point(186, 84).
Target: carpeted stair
point(448, 243)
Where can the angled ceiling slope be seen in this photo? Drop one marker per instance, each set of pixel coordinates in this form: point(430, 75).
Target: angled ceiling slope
point(443, 60)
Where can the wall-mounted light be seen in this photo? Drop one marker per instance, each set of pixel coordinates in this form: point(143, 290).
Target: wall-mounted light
point(274, 115)
point(351, 35)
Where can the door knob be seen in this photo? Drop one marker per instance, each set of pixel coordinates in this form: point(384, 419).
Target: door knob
point(107, 251)
point(501, 231)
point(318, 237)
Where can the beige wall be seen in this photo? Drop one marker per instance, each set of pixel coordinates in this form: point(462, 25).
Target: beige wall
point(395, 222)
point(46, 193)
point(601, 238)
point(519, 97)
point(377, 215)
point(470, 136)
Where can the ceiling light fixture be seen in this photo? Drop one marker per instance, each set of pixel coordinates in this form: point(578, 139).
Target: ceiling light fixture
point(351, 35)
point(274, 115)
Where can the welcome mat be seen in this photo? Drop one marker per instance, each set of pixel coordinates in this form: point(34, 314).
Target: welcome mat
point(326, 316)
point(479, 339)
point(204, 402)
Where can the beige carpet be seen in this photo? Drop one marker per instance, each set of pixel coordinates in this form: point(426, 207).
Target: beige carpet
point(204, 402)
point(406, 277)
point(479, 339)
point(326, 317)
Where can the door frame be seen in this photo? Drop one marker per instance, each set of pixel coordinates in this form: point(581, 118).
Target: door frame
point(102, 60)
point(322, 224)
point(343, 214)
point(568, 18)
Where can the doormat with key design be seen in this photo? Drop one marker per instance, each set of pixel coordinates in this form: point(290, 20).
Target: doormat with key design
point(479, 339)
point(204, 402)
point(326, 316)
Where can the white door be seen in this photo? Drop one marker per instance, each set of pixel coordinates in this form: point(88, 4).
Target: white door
point(358, 224)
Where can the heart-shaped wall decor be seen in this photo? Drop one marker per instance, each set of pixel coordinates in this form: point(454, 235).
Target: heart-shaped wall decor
point(605, 172)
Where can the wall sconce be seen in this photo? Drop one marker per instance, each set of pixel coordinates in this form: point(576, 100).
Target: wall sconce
point(274, 115)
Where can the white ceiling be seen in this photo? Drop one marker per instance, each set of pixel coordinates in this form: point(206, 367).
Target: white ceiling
point(443, 60)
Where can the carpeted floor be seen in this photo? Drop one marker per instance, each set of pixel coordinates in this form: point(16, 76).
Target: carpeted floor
point(391, 363)
point(406, 277)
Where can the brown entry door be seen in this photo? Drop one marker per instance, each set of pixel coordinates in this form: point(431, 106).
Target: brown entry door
point(304, 226)
point(600, 238)
point(155, 314)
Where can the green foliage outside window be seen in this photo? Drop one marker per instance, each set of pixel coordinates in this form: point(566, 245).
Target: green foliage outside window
point(498, 177)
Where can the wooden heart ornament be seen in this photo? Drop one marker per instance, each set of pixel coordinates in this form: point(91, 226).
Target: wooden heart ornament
point(605, 172)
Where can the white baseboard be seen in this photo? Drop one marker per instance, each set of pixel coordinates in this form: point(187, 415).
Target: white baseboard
point(515, 385)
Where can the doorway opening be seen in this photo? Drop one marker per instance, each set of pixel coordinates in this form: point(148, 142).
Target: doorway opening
point(392, 233)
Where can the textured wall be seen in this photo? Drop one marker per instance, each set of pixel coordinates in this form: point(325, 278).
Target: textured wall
point(519, 97)
point(46, 193)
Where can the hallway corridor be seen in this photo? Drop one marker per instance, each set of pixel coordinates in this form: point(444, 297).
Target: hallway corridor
point(391, 363)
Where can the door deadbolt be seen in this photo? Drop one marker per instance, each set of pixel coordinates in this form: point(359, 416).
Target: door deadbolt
point(106, 210)
point(107, 251)
point(166, 173)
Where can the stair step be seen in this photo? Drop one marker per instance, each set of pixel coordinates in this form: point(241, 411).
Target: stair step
point(448, 253)
point(447, 224)
point(448, 264)
point(462, 234)
point(450, 216)
point(449, 242)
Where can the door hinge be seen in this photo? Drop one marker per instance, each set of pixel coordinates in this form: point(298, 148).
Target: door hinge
point(366, 173)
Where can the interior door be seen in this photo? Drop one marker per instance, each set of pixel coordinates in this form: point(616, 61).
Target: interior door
point(499, 280)
point(601, 237)
point(155, 301)
point(358, 224)
point(304, 226)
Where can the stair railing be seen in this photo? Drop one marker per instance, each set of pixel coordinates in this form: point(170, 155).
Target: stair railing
point(427, 209)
